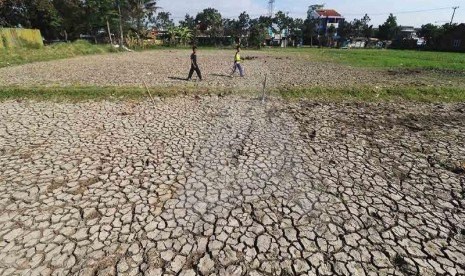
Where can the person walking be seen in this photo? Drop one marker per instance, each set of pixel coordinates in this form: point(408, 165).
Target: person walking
point(194, 65)
point(237, 63)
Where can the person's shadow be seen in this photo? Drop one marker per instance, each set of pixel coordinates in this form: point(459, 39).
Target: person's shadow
point(177, 78)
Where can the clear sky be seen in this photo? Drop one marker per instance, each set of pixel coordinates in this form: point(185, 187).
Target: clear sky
point(408, 12)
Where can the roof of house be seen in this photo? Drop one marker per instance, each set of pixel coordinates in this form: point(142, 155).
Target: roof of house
point(324, 13)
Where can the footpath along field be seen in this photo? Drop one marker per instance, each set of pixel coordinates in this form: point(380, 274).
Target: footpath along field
point(345, 169)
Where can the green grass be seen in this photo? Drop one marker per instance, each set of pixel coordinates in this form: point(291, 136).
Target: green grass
point(382, 58)
point(358, 94)
point(16, 56)
point(371, 58)
point(366, 94)
point(86, 93)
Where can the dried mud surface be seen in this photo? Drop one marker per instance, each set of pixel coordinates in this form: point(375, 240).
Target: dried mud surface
point(229, 186)
point(170, 68)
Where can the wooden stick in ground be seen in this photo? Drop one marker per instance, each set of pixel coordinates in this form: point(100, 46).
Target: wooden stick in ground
point(263, 93)
point(148, 91)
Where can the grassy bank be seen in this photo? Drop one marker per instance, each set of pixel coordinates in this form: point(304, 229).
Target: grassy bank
point(16, 56)
point(415, 94)
point(75, 94)
point(381, 58)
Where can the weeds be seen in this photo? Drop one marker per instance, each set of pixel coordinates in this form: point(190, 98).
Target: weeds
point(16, 56)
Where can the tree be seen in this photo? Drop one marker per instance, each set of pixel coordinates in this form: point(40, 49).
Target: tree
point(188, 22)
point(366, 30)
point(98, 14)
point(229, 27)
point(295, 30)
point(12, 13)
point(38, 14)
point(210, 22)
point(330, 35)
point(185, 34)
point(258, 31)
point(71, 13)
point(242, 25)
point(310, 27)
point(265, 21)
point(389, 30)
point(345, 30)
point(430, 33)
point(138, 13)
point(282, 22)
point(172, 32)
point(163, 21)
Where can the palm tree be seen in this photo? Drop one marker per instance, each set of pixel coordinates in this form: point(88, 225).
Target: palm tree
point(184, 34)
point(139, 12)
point(172, 32)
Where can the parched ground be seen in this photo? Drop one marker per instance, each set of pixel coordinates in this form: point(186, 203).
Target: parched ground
point(170, 68)
point(230, 186)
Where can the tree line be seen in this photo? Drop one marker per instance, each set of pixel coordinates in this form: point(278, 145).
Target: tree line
point(68, 19)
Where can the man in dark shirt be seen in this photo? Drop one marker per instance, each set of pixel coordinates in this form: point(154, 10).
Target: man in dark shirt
point(194, 65)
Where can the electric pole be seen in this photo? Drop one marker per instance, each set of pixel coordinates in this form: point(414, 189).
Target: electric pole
point(453, 14)
point(121, 40)
point(271, 8)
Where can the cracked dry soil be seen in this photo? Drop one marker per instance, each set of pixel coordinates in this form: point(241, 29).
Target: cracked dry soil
point(169, 68)
point(227, 186)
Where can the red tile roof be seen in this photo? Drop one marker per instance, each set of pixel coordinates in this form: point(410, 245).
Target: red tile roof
point(324, 13)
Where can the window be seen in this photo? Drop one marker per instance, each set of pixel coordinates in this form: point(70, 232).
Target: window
point(457, 43)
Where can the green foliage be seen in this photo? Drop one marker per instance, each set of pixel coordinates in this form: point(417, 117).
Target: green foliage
point(373, 94)
point(357, 94)
point(86, 93)
point(356, 28)
point(31, 14)
point(390, 29)
point(387, 59)
point(210, 22)
point(188, 22)
point(17, 56)
point(69, 18)
point(163, 21)
point(282, 21)
point(310, 25)
point(258, 32)
point(433, 34)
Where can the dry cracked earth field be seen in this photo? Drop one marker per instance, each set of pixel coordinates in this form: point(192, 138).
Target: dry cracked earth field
point(170, 68)
point(231, 186)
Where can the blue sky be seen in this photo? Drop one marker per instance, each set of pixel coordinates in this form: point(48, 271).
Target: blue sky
point(378, 10)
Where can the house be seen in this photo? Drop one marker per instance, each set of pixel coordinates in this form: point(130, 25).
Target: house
point(277, 39)
point(454, 40)
point(327, 18)
point(408, 32)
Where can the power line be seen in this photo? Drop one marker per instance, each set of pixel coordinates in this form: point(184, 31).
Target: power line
point(400, 12)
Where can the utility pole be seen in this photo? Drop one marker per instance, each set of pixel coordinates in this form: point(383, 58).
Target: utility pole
point(453, 14)
point(121, 41)
point(271, 8)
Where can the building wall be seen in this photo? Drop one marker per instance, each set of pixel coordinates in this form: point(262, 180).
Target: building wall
point(14, 38)
point(326, 22)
